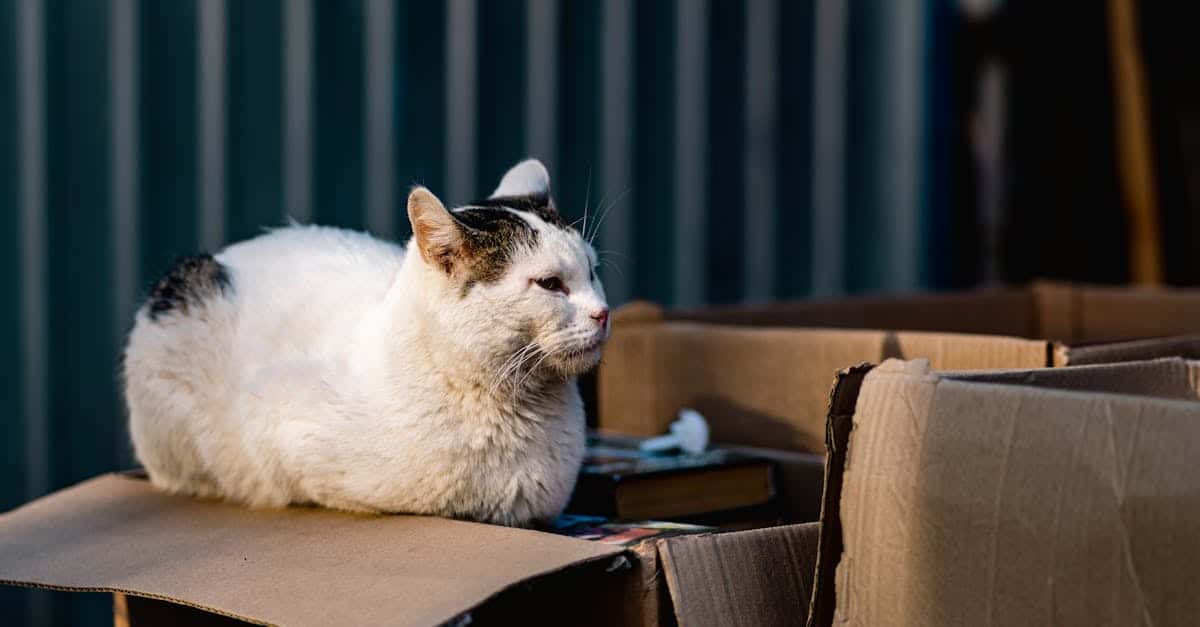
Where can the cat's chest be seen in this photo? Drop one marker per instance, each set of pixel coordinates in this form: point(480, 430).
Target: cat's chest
point(499, 437)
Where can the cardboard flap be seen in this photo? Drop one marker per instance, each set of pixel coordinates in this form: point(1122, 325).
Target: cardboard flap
point(764, 387)
point(759, 577)
point(299, 566)
point(1162, 378)
point(1076, 313)
point(974, 503)
point(1187, 347)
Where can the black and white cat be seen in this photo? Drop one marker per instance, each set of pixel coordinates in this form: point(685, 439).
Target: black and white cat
point(318, 365)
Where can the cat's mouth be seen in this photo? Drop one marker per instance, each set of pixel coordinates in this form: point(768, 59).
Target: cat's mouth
point(586, 349)
point(582, 358)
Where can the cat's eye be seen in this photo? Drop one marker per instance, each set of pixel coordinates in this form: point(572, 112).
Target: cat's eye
point(551, 283)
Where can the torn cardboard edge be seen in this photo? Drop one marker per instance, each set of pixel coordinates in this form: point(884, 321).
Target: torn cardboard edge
point(842, 400)
point(1158, 381)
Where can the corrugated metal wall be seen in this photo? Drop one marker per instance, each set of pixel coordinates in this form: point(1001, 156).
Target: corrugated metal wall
point(734, 145)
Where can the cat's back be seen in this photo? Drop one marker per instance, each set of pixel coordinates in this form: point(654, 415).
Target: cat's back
point(313, 262)
point(308, 287)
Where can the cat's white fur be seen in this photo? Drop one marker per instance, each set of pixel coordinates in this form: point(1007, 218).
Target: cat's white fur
point(345, 371)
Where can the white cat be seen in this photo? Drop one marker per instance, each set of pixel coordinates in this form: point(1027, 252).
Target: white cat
point(318, 365)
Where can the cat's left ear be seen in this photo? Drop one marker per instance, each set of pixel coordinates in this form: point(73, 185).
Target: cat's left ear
point(439, 236)
point(527, 178)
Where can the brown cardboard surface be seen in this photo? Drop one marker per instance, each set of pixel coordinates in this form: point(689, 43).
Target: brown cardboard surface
point(1046, 310)
point(300, 566)
point(1080, 312)
point(965, 502)
point(1170, 377)
point(764, 387)
point(761, 577)
point(990, 312)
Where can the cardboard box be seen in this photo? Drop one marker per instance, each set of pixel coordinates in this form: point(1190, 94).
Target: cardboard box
point(1053, 497)
point(765, 387)
point(1074, 314)
point(296, 566)
point(190, 561)
point(761, 380)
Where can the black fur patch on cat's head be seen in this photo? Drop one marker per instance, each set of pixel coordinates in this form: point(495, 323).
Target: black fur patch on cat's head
point(188, 283)
point(476, 243)
point(491, 236)
point(540, 205)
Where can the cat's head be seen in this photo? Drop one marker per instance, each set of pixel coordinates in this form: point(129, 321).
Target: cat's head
point(512, 277)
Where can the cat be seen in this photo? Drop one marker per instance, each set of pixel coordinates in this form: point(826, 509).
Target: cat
point(314, 365)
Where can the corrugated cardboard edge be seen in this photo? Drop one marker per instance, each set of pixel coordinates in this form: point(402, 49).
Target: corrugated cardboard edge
point(756, 577)
point(842, 401)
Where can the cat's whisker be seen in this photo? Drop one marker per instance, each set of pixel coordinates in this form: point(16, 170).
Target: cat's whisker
point(604, 213)
point(587, 235)
point(513, 365)
point(602, 253)
point(528, 373)
point(611, 264)
point(505, 367)
point(587, 199)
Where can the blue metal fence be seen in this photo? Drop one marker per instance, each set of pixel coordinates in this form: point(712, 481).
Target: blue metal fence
point(737, 144)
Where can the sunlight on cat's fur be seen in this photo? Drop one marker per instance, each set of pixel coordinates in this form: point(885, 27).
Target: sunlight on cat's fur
point(324, 366)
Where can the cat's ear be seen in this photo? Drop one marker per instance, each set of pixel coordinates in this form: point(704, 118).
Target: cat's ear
point(439, 236)
point(527, 178)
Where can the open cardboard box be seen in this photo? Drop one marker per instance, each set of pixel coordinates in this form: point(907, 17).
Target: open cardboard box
point(760, 374)
point(178, 559)
point(1053, 497)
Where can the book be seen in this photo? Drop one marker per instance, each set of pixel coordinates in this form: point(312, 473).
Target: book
point(621, 482)
point(603, 530)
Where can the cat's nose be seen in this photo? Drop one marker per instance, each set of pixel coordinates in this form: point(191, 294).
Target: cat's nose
point(601, 317)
